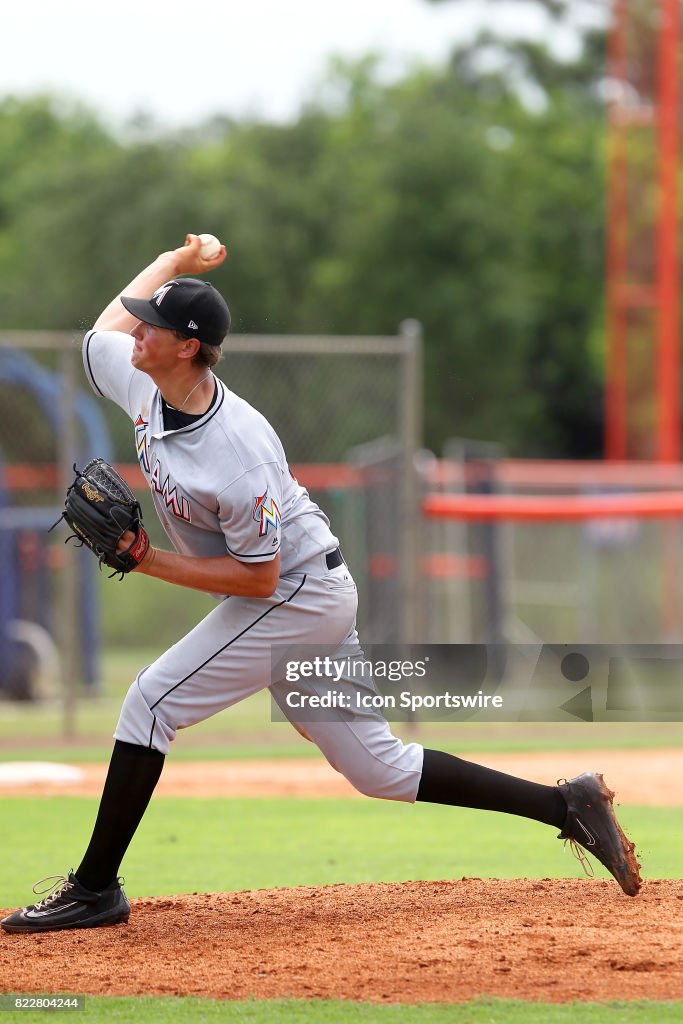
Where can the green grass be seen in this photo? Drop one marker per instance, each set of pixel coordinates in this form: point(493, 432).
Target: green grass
point(138, 608)
point(281, 742)
point(316, 1011)
point(188, 845)
point(245, 731)
point(215, 845)
point(87, 753)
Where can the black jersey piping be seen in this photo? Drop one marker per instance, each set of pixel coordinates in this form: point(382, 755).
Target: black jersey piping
point(225, 647)
point(209, 416)
point(191, 419)
point(88, 339)
point(262, 554)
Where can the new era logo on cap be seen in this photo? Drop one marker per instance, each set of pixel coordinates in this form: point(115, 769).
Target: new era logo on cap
point(193, 326)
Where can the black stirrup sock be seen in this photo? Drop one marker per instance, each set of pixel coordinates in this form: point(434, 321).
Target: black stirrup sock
point(133, 773)
point(450, 780)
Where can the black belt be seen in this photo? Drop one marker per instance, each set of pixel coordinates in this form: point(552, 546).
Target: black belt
point(334, 558)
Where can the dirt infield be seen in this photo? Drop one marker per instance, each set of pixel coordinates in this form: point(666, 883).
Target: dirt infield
point(646, 777)
point(547, 940)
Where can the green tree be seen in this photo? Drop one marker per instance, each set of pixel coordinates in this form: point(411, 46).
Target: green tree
point(444, 196)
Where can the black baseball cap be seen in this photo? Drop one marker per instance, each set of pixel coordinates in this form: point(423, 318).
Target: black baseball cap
point(185, 304)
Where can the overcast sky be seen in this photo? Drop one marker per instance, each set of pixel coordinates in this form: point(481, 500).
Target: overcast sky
point(181, 62)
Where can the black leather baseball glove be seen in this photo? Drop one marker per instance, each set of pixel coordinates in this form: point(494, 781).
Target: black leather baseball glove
point(100, 507)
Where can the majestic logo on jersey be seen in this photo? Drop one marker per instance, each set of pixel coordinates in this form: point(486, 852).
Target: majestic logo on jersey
point(266, 514)
point(161, 293)
point(141, 444)
point(177, 504)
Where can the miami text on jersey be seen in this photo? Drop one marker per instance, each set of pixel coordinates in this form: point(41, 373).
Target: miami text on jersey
point(266, 515)
point(141, 443)
point(178, 505)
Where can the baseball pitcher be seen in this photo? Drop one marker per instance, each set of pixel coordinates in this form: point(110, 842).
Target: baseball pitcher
point(243, 529)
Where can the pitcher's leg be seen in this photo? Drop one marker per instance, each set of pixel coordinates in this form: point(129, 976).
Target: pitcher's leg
point(225, 658)
point(131, 779)
point(358, 743)
point(362, 747)
point(451, 780)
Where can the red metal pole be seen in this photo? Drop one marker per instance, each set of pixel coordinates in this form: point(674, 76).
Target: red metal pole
point(668, 345)
point(615, 444)
point(668, 358)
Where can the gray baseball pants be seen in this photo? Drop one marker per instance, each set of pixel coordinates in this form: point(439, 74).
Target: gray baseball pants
point(227, 657)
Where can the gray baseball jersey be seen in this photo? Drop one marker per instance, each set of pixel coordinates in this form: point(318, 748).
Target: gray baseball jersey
point(222, 485)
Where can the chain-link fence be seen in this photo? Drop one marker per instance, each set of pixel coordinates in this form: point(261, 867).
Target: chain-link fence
point(595, 579)
point(348, 411)
point(325, 396)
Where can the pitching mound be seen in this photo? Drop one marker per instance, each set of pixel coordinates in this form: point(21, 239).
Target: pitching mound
point(547, 940)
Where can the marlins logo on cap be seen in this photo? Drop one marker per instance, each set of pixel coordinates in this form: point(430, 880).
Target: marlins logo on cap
point(159, 294)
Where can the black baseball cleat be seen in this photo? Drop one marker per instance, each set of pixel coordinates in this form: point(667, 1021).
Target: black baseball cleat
point(592, 824)
point(70, 905)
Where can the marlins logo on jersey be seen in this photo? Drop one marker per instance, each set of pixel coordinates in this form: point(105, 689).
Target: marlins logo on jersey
point(266, 514)
point(141, 443)
point(175, 502)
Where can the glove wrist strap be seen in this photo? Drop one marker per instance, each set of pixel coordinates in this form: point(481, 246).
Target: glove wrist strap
point(141, 546)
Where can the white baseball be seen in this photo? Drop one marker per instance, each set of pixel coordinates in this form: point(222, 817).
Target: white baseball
point(210, 246)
